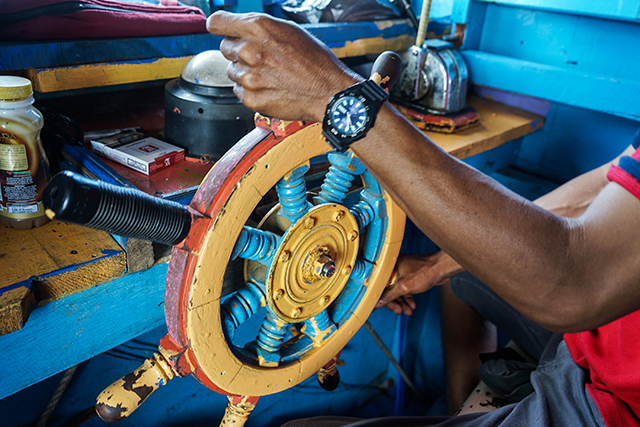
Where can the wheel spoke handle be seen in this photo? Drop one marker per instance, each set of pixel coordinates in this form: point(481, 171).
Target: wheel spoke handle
point(122, 211)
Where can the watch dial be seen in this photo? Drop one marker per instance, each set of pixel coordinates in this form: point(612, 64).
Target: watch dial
point(349, 115)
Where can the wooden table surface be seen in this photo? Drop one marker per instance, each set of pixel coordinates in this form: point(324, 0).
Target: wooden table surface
point(87, 301)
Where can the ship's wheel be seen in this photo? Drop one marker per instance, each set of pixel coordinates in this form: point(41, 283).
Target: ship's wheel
point(315, 235)
point(316, 263)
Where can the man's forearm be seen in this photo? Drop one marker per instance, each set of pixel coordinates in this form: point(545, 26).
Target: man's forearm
point(572, 198)
point(500, 237)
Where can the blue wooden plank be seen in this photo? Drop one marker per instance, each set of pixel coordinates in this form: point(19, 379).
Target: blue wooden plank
point(577, 43)
point(64, 333)
point(17, 56)
point(621, 9)
point(617, 96)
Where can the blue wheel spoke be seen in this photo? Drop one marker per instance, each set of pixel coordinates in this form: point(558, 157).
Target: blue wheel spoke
point(319, 327)
point(361, 271)
point(270, 338)
point(240, 306)
point(344, 167)
point(367, 208)
point(257, 245)
point(292, 194)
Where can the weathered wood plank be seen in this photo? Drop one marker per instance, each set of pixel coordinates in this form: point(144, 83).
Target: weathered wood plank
point(16, 304)
point(69, 331)
point(105, 74)
point(61, 258)
point(499, 123)
point(24, 55)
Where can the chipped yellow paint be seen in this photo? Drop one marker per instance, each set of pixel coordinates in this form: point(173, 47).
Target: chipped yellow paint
point(373, 45)
point(211, 349)
point(105, 74)
point(236, 414)
point(384, 24)
point(125, 395)
point(320, 336)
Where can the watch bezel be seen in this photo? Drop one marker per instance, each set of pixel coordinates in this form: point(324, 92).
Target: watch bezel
point(339, 140)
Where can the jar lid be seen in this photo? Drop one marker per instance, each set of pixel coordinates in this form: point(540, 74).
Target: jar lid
point(13, 88)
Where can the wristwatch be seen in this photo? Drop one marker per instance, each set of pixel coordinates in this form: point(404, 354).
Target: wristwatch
point(351, 113)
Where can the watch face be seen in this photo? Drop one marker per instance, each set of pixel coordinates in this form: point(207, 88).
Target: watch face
point(349, 115)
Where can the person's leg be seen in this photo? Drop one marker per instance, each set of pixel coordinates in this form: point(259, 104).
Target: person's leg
point(465, 335)
point(559, 399)
point(529, 336)
point(469, 312)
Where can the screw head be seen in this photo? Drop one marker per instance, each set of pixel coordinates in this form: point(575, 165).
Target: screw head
point(296, 312)
point(285, 256)
point(325, 300)
point(346, 270)
point(278, 294)
point(353, 235)
point(338, 215)
point(309, 223)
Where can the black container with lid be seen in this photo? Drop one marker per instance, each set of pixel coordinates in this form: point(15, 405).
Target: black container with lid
point(202, 114)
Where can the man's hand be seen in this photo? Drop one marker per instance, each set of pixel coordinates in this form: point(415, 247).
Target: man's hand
point(416, 274)
point(278, 68)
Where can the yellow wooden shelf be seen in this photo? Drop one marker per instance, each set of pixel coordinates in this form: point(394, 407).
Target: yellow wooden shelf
point(52, 261)
point(499, 123)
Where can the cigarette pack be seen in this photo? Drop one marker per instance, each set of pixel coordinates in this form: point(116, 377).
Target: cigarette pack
point(138, 151)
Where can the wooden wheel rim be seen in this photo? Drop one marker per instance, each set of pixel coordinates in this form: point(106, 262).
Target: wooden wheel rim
point(199, 327)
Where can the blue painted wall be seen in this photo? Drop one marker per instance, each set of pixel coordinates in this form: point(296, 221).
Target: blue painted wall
point(583, 57)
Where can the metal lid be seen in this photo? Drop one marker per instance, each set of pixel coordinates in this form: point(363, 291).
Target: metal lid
point(208, 68)
point(14, 88)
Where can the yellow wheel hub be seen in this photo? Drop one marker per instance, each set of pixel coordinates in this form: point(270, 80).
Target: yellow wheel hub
point(313, 263)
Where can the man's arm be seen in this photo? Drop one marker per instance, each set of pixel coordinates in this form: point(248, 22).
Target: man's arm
point(419, 273)
point(566, 274)
point(573, 197)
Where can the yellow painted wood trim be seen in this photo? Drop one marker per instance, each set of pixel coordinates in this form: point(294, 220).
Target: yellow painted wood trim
point(116, 73)
point(373, 45)
point(105, 74)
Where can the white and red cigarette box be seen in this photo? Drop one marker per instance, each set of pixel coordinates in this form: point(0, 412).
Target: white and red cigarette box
point(138, 151)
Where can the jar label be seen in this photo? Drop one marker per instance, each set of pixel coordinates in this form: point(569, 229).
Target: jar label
point(13, 157)
point(18, 211)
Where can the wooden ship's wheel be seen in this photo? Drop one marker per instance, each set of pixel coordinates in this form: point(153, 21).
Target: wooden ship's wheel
point(314, 265)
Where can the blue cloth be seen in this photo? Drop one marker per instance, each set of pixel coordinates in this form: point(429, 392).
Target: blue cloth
point(631, 166)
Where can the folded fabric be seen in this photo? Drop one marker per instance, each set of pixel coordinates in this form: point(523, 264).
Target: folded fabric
point(64, 19)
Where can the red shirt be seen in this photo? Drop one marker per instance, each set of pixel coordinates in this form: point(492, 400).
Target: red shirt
point(611, 353)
